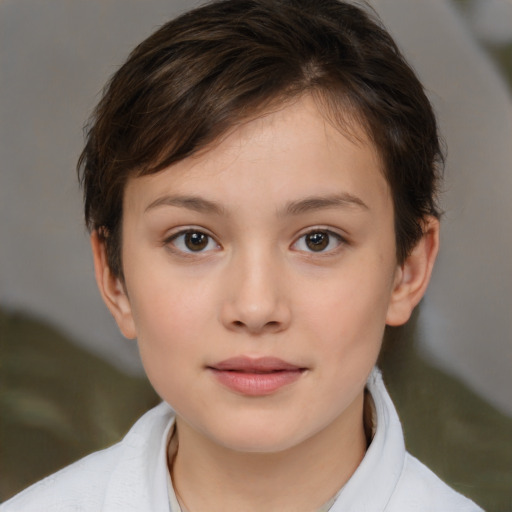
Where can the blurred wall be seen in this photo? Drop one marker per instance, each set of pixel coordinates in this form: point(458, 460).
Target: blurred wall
point(55, 56)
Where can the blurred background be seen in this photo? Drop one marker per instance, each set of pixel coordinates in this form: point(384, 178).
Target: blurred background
point(70, 384)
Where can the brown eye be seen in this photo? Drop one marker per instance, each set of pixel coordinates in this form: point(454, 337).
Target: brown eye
point(317, 241)
point(192, 241)
point(196, 241)
point(320, 241)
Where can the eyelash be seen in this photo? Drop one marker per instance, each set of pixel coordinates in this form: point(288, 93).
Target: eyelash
point(172, 241)
point(322, 243)
point(330, 235)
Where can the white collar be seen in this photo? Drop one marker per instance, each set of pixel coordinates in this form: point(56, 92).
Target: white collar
point(375, 479)
point(139, 480)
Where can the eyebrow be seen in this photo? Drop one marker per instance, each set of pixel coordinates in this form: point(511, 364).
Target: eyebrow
point(201, 205)
point(194, 203)
point(344, 200)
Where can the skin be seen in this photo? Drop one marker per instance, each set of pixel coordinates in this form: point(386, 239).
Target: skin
point(258, 288)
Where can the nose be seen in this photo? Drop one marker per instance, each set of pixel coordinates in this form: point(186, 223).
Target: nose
point(256, 300)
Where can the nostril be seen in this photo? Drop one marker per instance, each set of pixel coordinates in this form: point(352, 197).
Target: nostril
point(271, 326)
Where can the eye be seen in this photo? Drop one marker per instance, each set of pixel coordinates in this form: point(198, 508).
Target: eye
point(193, 241)
point(319, 240)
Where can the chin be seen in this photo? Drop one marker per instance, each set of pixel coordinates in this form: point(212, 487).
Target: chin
point(264, 439)
point(258, 445)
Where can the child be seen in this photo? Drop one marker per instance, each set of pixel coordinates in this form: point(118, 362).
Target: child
point(260, 181)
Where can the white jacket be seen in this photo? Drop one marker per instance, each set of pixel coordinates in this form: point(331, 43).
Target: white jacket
point(132, 475)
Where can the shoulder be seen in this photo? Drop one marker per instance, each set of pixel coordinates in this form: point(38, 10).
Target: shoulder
point(419, 489)
point(112, 474)
point(398, 481)
point(84, 481)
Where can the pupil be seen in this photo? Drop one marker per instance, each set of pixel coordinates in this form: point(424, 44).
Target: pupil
point(196, 241)
point(317, 241)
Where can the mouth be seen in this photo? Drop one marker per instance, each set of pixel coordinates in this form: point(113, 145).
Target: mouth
point(256, 376)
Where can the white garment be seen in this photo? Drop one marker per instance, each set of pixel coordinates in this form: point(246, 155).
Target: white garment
point(132, 475)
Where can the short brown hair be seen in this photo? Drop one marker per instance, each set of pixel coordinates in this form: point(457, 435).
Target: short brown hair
point(212, 67)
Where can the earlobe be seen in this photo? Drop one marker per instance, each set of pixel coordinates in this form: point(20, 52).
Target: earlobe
point(112, 288)
point(412, 278)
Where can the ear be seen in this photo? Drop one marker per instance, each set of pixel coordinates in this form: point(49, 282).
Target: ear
point(412, 278)
point(112, 288)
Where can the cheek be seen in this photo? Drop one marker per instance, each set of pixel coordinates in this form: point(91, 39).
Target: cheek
point(347, 316)
point(172, 320)
point(165, 299)
point(348, 332)
point(351, 302)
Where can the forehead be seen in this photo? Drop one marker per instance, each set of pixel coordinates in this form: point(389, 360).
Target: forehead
point(277, 155)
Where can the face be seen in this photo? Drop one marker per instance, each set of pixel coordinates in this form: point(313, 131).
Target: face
point(259, 277)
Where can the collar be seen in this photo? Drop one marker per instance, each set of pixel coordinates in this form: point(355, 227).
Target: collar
point(372, 484)
point(140, 479)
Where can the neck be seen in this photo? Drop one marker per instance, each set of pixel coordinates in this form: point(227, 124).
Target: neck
point(211, 477)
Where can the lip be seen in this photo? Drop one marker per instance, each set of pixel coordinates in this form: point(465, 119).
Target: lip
point(256, 376)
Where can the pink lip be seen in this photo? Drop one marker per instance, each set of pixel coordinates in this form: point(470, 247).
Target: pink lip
point(255, 376)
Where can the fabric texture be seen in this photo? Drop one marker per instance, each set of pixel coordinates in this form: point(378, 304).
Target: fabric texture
point(132, 475)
